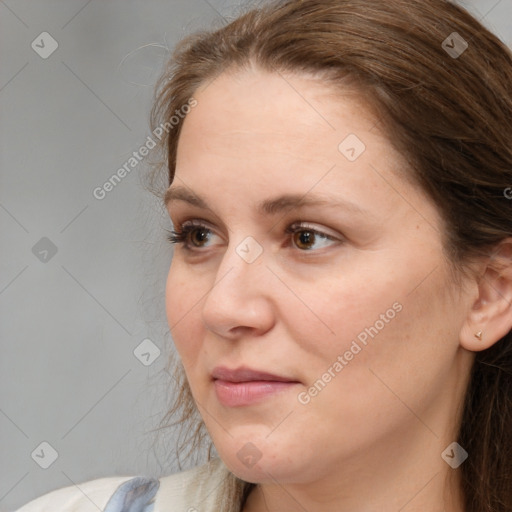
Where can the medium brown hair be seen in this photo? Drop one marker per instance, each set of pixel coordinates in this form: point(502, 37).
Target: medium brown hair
point(450, 117)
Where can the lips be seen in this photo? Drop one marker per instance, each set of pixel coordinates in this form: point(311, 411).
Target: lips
point(246, 374)
point(243, 386)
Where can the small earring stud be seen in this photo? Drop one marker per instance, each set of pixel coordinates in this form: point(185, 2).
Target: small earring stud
point(478, 335)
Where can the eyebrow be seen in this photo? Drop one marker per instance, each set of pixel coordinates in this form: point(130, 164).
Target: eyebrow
point(269, 206)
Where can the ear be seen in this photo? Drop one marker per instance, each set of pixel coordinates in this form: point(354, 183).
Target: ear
point(491, 312)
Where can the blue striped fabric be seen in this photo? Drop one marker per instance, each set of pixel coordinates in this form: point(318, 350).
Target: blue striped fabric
point(135, 495)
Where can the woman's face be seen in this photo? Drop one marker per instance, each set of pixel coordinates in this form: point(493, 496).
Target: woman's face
point(354, 305)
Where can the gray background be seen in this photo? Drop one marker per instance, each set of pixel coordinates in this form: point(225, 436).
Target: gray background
point(71, 321)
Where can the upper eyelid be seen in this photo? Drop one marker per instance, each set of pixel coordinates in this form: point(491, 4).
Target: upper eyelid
point(303, 225)
point(191, 217)
point(196, 224)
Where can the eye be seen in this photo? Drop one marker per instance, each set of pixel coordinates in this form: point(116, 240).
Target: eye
point(193, 235)
point(306, 238)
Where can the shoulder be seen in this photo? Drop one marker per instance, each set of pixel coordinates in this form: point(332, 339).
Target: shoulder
point(197, 488)
point(87, 496)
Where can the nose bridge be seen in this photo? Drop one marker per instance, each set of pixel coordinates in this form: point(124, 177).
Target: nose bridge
point(239, 296)
point(242, 266)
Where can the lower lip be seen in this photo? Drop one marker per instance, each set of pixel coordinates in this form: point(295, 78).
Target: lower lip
point(235, 394)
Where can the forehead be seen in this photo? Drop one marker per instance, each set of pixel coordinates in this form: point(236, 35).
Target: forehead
point(257, 115)
point(254, 131)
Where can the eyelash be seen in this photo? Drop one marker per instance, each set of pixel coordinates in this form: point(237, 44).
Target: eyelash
point(181, 233)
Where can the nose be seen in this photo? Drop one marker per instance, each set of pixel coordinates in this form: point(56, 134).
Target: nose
point(239, 302)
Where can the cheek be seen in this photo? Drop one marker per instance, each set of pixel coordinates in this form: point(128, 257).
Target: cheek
point(182, 310)
point(173, 292)
point(334, 312)
point(373, 319)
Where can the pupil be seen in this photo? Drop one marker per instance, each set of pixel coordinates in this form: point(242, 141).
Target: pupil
point(306, 237)
point(200, 235)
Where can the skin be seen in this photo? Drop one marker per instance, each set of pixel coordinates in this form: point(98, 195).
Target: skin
point(372, 438)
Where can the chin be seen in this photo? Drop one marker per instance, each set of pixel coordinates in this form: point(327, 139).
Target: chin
point(258, 460)
point(262, 472)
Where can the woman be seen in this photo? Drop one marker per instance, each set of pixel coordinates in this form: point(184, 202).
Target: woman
point(340, 294)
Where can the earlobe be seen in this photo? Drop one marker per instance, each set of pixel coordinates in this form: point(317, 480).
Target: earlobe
point(490, 317)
